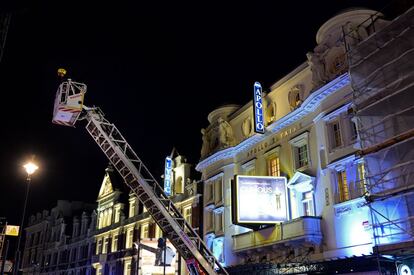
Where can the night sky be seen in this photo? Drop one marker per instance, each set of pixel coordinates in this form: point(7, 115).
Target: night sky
point(156, 69)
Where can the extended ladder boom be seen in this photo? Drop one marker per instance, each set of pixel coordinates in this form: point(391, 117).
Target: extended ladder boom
point(149, 192)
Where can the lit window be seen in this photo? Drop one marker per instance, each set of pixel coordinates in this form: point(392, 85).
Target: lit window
point(115, 243)
point(342, 186)
point(362, 184)
point(132, 208)
point(127, 268)
point(105, 246)
point(144, 231)
point(117, 214)
point(129, 238)
point(273, 166)
point(187, 214)
point(99, 270)
point(100, 223)
point(307, 201)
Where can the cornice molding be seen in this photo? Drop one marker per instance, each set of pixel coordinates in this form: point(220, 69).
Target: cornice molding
point(313, 101)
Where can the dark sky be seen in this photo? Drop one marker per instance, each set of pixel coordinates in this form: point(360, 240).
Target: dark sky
point(156, 69)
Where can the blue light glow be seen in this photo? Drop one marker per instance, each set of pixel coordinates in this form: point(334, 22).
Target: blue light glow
point(258, 109)
point(167, 176)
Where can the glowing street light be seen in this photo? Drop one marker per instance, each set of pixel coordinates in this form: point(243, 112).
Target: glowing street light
point(30, 168)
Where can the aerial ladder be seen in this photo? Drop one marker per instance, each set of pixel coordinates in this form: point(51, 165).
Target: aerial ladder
point(68, 109)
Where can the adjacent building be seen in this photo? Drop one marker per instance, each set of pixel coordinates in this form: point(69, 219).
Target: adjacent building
point(60, 241)
point(314, 216)
point(125, 231)
point(114, 236)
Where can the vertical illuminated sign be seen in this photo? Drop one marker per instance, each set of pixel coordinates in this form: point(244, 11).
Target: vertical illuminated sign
point(167, 176)
point(258, 109)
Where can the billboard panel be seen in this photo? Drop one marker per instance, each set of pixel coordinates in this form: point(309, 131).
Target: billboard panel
point(259, 200)
point(148, 259)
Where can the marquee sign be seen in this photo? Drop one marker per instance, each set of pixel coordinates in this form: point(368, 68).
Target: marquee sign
point(259, 200)
point(167, 176)
point(258, 109)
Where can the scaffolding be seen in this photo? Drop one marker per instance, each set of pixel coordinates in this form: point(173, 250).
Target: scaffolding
point(381, 68)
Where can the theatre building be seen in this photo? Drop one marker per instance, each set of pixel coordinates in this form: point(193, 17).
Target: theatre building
point(127, 237)
point(291, 200)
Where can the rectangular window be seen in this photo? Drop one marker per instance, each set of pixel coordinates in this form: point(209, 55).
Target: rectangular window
point(209, 224)
point(336, 134)
point(353, 130)
point(144, 231)
point(300, 150)
point(131, 209)
point(218, 191)
point(99, 247)
point(115, 243)
point(302, 156)
point(218, 222)
point(105, 245)
point(343, 189)
point(129, 238)
point(273, 166)
point(187, 211)
point(209, 192)
point(117, 214)
point(99, 270)
point(362, 184)
point(127, 268)
point(307, 201)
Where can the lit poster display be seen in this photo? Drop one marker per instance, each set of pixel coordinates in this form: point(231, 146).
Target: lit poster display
point(147, 260)
point(260, 200)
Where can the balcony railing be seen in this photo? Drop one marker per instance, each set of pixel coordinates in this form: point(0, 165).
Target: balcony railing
point(304, 228)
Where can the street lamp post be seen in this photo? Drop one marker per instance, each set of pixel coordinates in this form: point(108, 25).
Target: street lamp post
point(30, 168)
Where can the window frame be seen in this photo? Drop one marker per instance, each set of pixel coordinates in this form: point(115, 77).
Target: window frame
point(299, 142)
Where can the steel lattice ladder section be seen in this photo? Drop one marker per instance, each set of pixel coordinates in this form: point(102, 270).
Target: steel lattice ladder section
point(150, 193)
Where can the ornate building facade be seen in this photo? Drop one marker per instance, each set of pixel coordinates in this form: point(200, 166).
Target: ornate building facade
point(60, 241)
point(117, 236)
point(311, 140)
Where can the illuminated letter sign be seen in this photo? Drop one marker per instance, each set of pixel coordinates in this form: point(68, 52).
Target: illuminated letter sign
point(258, 109)
point(167, 176)
point(260, 200)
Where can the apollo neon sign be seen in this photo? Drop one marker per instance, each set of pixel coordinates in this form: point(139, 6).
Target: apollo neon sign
point(167, 176)
point(258, 109)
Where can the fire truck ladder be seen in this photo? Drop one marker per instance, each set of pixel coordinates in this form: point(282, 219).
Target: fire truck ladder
point(149, 192)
